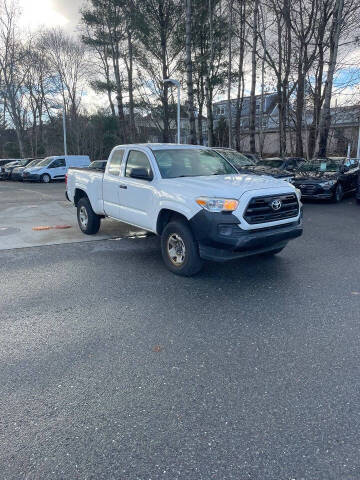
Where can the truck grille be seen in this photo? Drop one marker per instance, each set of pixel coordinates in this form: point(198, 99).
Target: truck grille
point(263, 209)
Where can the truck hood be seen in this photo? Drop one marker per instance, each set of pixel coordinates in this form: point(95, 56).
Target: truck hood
point(233, 186)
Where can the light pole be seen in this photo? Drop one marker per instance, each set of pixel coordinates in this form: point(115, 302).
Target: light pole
point(62, 108)
point(177, 84)
point(64, 129)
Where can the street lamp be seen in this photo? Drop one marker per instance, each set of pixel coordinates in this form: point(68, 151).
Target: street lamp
point(62, 107)
point(177, 84)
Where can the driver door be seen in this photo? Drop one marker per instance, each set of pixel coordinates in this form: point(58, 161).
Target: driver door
point(136, 196)
point(57, 169)
point(351, 174)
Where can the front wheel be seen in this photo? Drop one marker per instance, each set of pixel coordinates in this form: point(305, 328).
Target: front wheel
point(338, 193)
point(88, 220)
point(180, 250)
point(45, 178)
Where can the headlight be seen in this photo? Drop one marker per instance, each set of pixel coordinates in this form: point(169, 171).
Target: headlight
point(217, 204)
point(328, 184)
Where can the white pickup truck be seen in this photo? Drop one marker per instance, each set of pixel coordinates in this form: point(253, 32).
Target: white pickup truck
point(193, 198)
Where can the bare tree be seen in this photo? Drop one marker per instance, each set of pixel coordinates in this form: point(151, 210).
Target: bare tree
point(13, 70)
point(69, 67)
point(229, 73)
point(190, 89)
point(325, 118)
point(254, 53)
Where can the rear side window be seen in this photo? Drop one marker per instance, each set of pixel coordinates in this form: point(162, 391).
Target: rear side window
point(137, 159)
point(115, 162)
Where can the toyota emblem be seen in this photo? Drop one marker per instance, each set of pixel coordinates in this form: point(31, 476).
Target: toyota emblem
point(276, 205)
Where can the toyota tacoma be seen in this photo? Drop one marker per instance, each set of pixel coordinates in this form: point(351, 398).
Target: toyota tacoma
point(193, 198)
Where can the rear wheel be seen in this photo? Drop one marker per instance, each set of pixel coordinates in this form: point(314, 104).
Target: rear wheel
point(88, 220)
point(180, 250)
point(45, 178)
point(338, 193)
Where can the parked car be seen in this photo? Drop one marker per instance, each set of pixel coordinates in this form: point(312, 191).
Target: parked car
point(4, 162)
point(98, 165)
point(327, 178)
point(54, 168)
point(252, 156)
point(237, 159)
point(18, 171)
point(9, 167)
point(287, 163)
point(244, 165)
point(358, 188)
point(193, 198)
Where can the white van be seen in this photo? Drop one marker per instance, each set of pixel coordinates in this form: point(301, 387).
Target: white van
point(54, 168)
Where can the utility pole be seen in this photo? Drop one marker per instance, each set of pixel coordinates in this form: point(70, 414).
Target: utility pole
point(64, 129)
point(177, 84)
point(190, 90)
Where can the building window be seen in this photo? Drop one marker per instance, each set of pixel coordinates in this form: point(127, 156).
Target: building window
point(221, 110)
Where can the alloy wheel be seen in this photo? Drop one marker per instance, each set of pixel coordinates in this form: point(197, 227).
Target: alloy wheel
point(176, 249)
point(83, 217)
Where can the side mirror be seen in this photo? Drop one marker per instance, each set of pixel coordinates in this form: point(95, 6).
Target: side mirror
point(141, 174)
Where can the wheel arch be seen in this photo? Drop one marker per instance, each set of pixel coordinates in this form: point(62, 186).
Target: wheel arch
point(165, 216)
point(78, 195)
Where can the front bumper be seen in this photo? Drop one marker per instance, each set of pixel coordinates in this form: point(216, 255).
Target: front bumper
point(16, 176)
point(5, 175)
point(221, 237)
point(314, 192)
point(33, 177)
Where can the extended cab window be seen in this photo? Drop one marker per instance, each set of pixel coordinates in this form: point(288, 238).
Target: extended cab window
point(115, 162)
point(137, 159)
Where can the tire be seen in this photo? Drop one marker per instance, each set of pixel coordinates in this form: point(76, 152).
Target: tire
point(180, 250)
point(272, 252)
point(45, 178)
point(88, 220)
point(338, 193)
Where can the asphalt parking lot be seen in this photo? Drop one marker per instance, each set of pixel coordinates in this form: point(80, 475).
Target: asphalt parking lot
point(111, 367)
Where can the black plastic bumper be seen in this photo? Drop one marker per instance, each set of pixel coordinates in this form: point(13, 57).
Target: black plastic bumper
point(33, 177)
point(319, 196)
point(221, 237)
point(318, 193)
point(16, 176)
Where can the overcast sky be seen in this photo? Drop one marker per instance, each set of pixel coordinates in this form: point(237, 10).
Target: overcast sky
point(64, 13)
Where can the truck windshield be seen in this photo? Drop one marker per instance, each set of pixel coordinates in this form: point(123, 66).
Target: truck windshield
point(236, 158)
point(188, 162)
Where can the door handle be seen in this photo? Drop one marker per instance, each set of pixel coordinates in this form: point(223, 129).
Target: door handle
point(123, 187)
